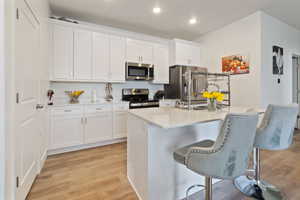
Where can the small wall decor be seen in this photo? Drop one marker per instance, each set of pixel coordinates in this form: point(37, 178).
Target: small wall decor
point(277, 60)
point(236, 64)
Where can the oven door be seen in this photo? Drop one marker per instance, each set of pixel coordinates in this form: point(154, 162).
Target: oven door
point(136, 71)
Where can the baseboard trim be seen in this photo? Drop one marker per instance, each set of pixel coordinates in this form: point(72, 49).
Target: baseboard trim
point(85, 146)
point(134, 189)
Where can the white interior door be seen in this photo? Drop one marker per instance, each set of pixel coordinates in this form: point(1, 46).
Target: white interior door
point(43, 116)
point(26, 75)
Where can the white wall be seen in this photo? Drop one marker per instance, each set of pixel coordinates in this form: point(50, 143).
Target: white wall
point(255, 35)
point(275, 32)
point(9, 97)
point(2, 102)
point(240, 37)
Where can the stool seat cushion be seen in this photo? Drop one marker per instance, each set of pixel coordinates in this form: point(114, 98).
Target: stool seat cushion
point(181, 153)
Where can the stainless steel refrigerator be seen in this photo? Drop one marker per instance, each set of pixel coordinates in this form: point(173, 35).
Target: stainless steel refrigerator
point(179, 80)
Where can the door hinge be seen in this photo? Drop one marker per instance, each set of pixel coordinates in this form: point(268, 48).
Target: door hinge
point(17, 181)
point(17, 14)
point(17, 97)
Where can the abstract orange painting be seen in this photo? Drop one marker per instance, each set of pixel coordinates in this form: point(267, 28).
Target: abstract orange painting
point(236, 64)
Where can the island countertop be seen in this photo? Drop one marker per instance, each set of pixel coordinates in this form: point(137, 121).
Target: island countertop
point(174, 117)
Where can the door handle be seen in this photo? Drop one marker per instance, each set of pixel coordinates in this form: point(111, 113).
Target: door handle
point(39, 106)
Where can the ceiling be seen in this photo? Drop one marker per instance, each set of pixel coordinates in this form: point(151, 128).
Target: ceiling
point(172, 22)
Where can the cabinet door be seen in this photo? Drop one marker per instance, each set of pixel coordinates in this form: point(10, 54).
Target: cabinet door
point(66, 131)
point(117, 59)
point(83, 55)
point(120, 124)
point(195, 55)
point(101, 56)
point(161, 65)
point(182, 54)
point(98, 127)
point(133, 51)
point(62, 52)
point(146, 53)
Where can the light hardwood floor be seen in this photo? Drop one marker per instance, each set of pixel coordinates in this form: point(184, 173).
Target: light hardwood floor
point(100, 174)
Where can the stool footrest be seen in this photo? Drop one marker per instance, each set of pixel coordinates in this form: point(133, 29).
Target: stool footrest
point(190, 188)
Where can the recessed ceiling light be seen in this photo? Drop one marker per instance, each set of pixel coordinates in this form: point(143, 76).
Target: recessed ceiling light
point(193, 21)
point(156, 10)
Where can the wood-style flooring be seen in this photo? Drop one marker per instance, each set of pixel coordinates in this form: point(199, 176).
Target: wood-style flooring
point(100, 174)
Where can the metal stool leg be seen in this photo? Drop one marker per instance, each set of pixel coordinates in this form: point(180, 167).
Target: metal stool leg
point(255, 187)
point(208, 188)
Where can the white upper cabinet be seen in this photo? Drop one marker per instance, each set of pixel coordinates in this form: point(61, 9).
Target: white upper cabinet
point(195, 55)
point(147, 53)
point(139, 52)
point(117, 58)
point(161, 64)
point(133, 51)
point(62, 53)
point(82, 55)
point(101, 57)
point(184, 53)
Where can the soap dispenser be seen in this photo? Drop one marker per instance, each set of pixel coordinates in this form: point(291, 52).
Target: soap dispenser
point(94, 96)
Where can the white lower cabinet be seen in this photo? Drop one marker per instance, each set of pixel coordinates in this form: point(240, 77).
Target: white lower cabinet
point(98, 127)
point(120, 124)
point(66, 131)
point(83, 125)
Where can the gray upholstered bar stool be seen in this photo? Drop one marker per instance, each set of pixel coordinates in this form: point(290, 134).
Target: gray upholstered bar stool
point(227, 158)
point(274, 133)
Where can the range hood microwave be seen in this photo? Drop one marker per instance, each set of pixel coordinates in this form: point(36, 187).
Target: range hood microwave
point(138, 71)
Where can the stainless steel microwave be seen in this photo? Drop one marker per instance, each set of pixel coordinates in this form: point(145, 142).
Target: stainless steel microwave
point(138, 71)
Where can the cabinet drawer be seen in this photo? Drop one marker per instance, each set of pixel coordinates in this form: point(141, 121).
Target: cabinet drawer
point(66, 111)
point(121, 107)
point(97, 109)
point(167, 103)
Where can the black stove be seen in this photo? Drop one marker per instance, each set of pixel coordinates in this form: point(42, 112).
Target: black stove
point(138, 98)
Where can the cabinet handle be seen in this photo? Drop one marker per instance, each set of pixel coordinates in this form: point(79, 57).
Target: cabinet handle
point(81, 120)
point(99, 109)
point(85, 120)
point(68, 110)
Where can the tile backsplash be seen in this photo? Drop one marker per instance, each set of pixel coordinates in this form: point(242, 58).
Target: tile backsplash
point(61, 97)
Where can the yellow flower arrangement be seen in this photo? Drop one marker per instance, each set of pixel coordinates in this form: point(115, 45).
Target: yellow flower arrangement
point(213, 95)
point(74, 95)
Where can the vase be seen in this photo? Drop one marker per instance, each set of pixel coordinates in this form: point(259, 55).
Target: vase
point(74, 100)
point(212, 105)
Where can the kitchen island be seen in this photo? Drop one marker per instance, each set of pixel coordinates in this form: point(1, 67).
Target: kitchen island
point(153, 135)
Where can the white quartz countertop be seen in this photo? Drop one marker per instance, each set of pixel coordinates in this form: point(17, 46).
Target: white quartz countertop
point(175, 117)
